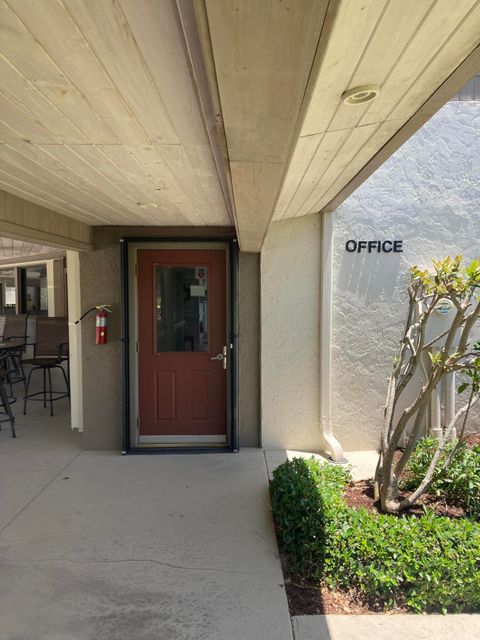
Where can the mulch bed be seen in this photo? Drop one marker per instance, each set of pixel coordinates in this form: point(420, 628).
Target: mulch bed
point(308, 597)
point(473, 439)
point(360, 494)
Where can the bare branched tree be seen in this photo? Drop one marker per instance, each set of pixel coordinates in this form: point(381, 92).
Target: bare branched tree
point(449, 280)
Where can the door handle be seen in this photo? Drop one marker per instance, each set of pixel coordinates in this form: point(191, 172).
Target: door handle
point(221, 357)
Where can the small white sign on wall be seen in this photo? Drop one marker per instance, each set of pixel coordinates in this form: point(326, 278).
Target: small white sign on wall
point(197, 290)
point(444, 306)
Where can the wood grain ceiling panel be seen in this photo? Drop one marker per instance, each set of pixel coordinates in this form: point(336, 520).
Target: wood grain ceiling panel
point(51, 171)
point(447, 57)
point(438, 42)
point(408, 49)
point(16, 164)
point(78, 62)
point(42, 122)
point(157, 183)
point(99, 117)
point(10, 248)
point(16, 125)
point(393, 33)
point(263, 55)
point(26, 54)
point(354, 24)
point(108, 34)
point(151, 25)
point(347, 148)
point(302, 155)
point(322, 158)
point(20, 184)
point(362, 144)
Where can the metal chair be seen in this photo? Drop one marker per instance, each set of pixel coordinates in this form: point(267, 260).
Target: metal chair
point(15, 329)
point(5, 408)
point(15, 326)
point(50, 350)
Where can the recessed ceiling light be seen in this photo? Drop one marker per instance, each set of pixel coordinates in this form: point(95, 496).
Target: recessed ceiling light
point(147, 205)
point(361, 95)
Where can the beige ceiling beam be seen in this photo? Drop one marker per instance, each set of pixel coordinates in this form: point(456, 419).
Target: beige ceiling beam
point(263, 54)
point(23, 220)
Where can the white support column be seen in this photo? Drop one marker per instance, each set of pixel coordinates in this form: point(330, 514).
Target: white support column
point(333, 445)
point(75, 339)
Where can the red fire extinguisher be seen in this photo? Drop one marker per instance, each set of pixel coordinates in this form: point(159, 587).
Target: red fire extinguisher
point(101, 326)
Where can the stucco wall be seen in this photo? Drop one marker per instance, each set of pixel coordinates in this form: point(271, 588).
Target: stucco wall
point(428, 195)
point(290, 308)
point(249, 349)
point(102, 365)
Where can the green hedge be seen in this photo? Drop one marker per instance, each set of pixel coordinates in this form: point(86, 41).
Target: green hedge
point(429, 563)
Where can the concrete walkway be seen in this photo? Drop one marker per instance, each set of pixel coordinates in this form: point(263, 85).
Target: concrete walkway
point(43, 446)
point(385, 627)
point(99, 546)
point(96, 546)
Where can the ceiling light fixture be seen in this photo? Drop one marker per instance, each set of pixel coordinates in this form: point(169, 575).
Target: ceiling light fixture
point(361, 95)
point(147, 205)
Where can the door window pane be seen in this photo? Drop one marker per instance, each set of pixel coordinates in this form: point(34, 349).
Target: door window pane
point(8, 291)
point(181, 308)
point(35, 291)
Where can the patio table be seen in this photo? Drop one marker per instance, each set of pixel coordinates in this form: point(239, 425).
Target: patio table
point(14, 344)
point(12, 349)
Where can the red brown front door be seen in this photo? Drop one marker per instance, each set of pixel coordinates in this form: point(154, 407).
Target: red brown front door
point(182, 329)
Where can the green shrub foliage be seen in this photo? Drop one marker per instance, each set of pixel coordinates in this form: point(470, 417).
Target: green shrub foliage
point(429, 563)
point(459, 483)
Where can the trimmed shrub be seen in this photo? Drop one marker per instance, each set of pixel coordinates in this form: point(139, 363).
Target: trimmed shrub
point(459, 484)
point(428, 563)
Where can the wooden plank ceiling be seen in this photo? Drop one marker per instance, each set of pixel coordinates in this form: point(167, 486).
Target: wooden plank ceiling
point(10, 248)
point(106, 115)
point(282, 67)
point(99, 118)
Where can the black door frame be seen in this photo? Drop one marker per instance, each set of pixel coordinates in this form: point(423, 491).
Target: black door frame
point(232, 320)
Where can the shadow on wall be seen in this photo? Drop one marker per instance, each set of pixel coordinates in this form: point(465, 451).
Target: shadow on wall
point(369, 275)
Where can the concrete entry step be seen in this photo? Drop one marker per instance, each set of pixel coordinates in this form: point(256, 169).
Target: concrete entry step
point(146, 548)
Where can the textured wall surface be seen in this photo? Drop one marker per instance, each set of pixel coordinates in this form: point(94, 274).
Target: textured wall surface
point(102, 365)
point(249, 349)
point(290, 294)
point(428, 195)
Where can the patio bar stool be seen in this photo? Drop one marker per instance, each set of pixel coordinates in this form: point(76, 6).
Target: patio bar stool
point(5, 408)
point(15, 331)
point(50, 351)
